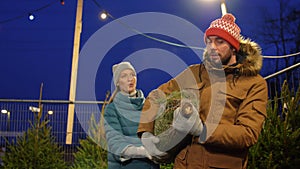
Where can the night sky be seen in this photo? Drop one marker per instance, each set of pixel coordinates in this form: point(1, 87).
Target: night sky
point(40, 51)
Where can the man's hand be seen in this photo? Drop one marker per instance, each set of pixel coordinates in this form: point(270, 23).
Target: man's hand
point(186, 119)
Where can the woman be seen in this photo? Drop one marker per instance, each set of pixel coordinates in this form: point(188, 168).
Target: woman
point(122, 116)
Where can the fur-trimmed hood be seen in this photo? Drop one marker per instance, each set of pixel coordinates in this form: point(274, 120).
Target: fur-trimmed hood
point(249, 59)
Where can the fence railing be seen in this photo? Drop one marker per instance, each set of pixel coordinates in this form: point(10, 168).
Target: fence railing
point(17, 118)
point(290, 74)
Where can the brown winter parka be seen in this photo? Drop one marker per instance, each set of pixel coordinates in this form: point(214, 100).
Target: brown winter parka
point(232, 107)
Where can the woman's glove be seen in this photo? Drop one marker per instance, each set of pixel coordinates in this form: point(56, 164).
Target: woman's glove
point(149, 141)
point(136, 152)
point(186, 119)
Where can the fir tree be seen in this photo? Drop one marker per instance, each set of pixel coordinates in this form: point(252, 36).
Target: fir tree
point(92, 152)
point(278, 145)
point(35, 149)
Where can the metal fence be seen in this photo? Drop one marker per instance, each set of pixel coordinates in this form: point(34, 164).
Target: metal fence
point(17, 117)
point(275, 81)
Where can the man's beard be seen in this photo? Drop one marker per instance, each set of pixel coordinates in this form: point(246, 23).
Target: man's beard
point(226, 60)
point(218, 61)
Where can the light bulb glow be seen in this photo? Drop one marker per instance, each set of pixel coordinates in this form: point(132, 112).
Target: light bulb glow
point(34, 109)
point(4, 111)
point(103, 15)
point(50, 112)
point(31, 17)
point(223, 8)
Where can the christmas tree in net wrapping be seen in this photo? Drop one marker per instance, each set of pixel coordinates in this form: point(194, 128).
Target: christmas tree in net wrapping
point(172, 141)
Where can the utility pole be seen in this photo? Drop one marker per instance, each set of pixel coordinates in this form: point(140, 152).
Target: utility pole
point(73, 81)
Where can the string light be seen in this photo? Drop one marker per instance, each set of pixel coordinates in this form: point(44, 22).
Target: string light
point(62, 2)
point(106, 14)
point(30, 12)
point(31, 17)
point(103, 15)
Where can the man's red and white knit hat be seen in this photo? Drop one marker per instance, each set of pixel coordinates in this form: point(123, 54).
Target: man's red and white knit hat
point(225, 28)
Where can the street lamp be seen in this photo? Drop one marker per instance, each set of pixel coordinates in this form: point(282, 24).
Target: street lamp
point(4, 111)
point(223, 7)
point(50, 112)
point(47, 118)
point(34, 109)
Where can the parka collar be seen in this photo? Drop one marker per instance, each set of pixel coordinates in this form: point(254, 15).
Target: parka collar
point(250, 57)
point(130, 103)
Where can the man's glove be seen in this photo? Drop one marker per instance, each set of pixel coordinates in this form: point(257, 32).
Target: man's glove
point(136, 152)
point(186, 119)
point(149, 141)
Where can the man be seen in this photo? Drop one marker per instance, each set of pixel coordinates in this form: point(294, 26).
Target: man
point(232, 99)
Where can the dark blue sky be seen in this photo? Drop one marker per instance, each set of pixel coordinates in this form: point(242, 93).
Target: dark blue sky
point(40, 51)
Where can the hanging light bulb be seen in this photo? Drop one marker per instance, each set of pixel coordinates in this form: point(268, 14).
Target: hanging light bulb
point(31, 16)
point(103, 15)
point(62, 2)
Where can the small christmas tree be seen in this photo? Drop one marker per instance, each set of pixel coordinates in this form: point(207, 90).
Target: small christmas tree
point(92, 152)
point(35, 149)
point(278, 145)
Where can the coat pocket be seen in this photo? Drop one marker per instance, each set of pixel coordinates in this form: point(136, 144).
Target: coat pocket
point(225, 161)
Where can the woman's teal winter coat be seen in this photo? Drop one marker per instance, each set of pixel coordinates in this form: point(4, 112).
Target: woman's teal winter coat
point(122, 118)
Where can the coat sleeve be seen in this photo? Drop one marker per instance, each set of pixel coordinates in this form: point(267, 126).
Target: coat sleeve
point(116, 141)
point(248, 124)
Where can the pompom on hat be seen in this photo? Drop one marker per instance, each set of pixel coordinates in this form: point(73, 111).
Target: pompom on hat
point(118, 68)
point(225, 28)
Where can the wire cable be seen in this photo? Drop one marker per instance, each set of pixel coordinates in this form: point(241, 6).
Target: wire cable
point(283, 56)
point(153, 38)
point(176, 44)
point(26, 14)
point(135, 30)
